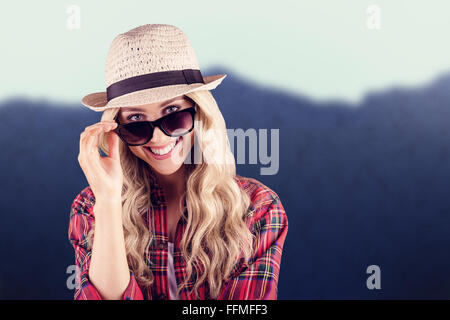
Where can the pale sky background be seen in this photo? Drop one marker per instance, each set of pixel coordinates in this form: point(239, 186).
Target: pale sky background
point(321, 49)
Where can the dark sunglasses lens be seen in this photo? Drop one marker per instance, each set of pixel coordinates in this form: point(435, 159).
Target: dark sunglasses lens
point(179, 123)
point(136, 133)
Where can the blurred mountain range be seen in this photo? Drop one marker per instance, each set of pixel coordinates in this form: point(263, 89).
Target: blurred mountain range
point(365, 185)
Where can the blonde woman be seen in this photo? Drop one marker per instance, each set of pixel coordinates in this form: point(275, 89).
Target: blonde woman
point(165, 216)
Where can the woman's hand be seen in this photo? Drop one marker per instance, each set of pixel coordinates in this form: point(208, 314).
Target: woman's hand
point(104, 174)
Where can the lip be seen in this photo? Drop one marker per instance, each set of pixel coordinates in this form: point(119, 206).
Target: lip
point(160, 147)
point(165, 156)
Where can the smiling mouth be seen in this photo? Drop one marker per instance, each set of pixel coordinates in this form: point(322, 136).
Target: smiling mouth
point(166, 150)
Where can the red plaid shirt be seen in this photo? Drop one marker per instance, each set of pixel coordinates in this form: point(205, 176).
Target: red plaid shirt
point(255, 279)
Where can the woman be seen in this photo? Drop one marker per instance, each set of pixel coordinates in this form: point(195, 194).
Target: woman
point(165, 216)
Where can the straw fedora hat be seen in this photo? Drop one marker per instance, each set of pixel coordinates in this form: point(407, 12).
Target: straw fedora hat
point(150, 63)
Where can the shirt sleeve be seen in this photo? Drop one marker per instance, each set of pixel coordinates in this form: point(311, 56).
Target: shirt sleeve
point(258, 279)
point(81, 222)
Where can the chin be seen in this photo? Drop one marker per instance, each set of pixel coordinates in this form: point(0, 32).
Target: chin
point(163, 170)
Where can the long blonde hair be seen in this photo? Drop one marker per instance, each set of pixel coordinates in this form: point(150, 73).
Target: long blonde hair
point(216, 234)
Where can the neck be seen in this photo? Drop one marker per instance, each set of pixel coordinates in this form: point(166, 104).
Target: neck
point(173, 184)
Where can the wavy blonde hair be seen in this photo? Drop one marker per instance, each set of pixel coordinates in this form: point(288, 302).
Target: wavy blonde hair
point(216, 234)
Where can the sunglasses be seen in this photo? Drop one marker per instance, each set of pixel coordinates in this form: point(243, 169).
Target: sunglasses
point(175, 124)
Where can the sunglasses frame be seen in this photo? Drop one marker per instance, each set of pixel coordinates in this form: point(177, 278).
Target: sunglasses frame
point(156, 124)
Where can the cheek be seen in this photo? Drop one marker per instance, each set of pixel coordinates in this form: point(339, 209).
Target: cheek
point(138, 151)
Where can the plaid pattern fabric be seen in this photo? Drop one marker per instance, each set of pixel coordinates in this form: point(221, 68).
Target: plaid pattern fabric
point(255, 279)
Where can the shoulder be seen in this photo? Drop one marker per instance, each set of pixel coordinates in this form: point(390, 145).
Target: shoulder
point(259, 193)
point(83, 202)
point(264, 200)
point(266, 218)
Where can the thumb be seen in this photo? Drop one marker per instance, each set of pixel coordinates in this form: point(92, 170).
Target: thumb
point(113, 142)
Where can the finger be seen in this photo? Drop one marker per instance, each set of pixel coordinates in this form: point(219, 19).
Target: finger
point(113, 143)
point(104, 130)
point(88, 166)
point(86, 147)
point(82, 150)
point(90, 155)
point(101, 123)
point(93, 141)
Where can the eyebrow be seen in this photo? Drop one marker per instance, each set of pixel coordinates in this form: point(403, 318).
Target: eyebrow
point(132, 109)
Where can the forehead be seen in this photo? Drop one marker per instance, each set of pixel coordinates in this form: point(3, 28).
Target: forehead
point(154, 107)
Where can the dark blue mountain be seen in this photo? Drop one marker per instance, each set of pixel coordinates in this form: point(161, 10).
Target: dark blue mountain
point(365, 185)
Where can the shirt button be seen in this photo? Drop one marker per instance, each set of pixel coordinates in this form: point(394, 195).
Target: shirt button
point(162, 296)
point(162, 246)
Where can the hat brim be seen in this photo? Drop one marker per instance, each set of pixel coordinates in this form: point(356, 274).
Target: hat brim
point(97, 101)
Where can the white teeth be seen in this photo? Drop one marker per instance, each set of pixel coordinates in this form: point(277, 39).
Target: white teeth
point(166, 149)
